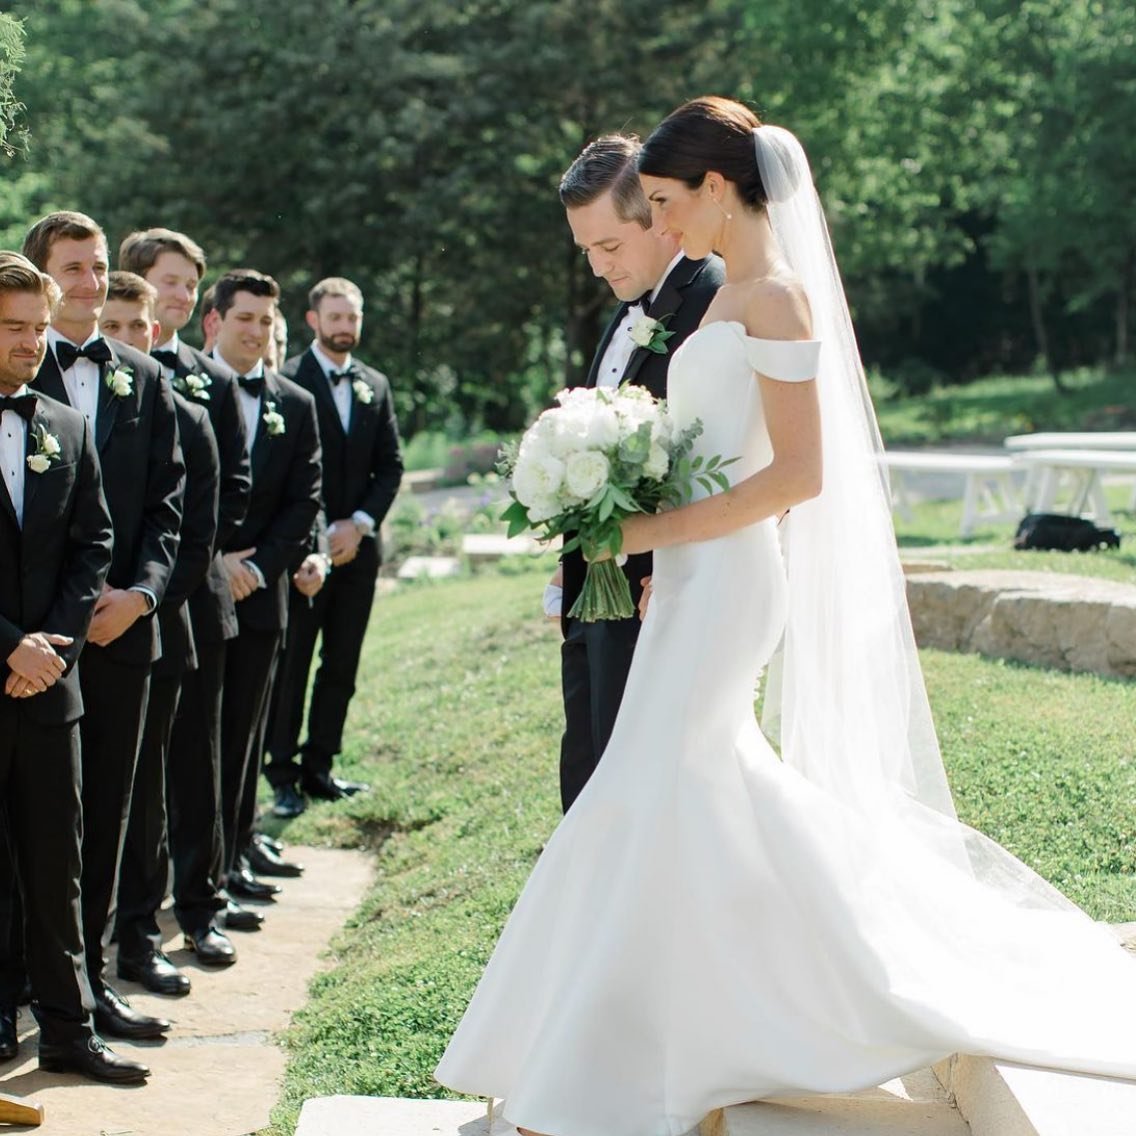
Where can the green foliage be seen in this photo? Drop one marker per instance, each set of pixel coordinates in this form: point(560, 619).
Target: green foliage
point(456, 724)
point(11, 56)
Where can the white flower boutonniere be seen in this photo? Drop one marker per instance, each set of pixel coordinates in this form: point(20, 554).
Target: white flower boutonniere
point(273, 420)
point(194, 386)
point(363, 392)
point(651, 333)
point(120, 381)
point(46, 452)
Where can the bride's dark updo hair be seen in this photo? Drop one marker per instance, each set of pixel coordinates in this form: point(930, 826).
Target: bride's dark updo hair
point(710, 133)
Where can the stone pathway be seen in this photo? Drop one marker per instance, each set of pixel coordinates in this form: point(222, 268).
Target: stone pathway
point(218, 1073)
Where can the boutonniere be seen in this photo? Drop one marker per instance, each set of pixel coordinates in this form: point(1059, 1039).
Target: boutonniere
point(363, 392)
point(47, 450)
point(273, 419)
point(120, 381)
point(651, 333)
point(193, 386)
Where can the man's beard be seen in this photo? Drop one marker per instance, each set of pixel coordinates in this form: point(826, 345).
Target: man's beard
point(339, 344)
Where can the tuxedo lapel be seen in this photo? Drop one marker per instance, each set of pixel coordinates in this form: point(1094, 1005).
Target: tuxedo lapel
point(262, 443)
point(6, 498)
point(49, 381)
point(609, 332)
point(318, 384)
point(663, 308)
point(108, 403)
point(31, 479)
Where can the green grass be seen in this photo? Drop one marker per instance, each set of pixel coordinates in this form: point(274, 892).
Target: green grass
point(990, 409)
point(456, 724)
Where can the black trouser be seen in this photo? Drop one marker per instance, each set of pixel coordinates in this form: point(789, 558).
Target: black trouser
point(246, 810)
point(41, 819)
point(338, 614)
point(193, 792)
point(248, 674)
point(114, 703)
point(145, 856)
point(594, 661)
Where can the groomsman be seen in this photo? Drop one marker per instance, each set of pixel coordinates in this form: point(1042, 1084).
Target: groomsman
point(610, 220)
point(362, 468)
point(55, 552)
point(129, 408)
point(175, 264)
point(281, 421)
point(129, 314)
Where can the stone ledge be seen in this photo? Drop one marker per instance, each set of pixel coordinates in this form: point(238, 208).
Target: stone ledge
point(1070, 623)
point(1002, 1099)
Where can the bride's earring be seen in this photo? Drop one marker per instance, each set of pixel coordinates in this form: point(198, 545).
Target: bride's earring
point(722, 209)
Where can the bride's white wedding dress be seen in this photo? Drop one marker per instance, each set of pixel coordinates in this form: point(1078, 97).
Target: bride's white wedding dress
point(708, 927)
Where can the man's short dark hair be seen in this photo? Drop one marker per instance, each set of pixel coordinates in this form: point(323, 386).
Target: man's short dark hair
point(241, 280)
point(18, 274)
point(139, 251)
point(608, 164)
point(131, 287)
point(55, 226)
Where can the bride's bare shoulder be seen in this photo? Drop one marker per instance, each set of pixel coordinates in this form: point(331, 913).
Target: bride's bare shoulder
point(776, 307)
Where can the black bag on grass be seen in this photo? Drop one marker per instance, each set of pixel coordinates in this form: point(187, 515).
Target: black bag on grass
point(1063, 534)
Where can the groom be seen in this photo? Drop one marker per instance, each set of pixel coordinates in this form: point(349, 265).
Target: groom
point(610, 220)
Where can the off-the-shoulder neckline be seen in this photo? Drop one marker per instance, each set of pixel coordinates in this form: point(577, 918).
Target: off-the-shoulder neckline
point(745, 334)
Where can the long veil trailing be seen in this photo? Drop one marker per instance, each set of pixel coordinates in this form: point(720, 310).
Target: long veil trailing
point(845, 695)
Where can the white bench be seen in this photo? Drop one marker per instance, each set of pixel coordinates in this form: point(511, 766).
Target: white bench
point(1073, 475)
point(989, 492)
point(1093, 440)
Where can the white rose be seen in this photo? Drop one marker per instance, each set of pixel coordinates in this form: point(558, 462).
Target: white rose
point(657, 463)
point(121, 383)
point(543, 509)
point(642, 330)
point(537, 477)
point(586, 472)
point(363, 391)
point(38, 463)
point(274, 422)
point(49, 445)
point(603, 428)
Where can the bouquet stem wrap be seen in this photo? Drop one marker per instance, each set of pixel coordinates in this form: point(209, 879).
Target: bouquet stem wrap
point(605, 594)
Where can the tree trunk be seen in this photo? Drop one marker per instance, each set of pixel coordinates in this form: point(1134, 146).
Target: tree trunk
point(1041, 336)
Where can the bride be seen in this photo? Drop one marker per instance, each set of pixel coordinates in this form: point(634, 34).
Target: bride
point(716, 921)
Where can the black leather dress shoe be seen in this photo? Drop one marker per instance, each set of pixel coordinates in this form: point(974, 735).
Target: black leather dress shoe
point(9, 1037)
point(328, 788)
point(265, 862)
point(211, 947)
point(90, 1057)
point(238, 918)
point(287, 802)
point(269, 842)
point(116, 1017)
point(243, 884)
point(156, 973)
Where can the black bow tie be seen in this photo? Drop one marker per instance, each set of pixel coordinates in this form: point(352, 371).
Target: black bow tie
point(254, 384)
point(166, 358)
point(336, 377)
point(98, 351)
point(24, 406)
point(644, 302)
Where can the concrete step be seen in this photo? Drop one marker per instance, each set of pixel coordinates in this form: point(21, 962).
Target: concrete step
point(1002, 1099)
point(915, 1105)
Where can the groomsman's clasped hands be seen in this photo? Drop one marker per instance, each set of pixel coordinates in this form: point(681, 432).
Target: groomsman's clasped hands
point(173, 539)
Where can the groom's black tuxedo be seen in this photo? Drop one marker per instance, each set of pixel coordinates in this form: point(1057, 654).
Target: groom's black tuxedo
point(362, 468)
point(143, 478)
point(597, 656)
point(51, 573)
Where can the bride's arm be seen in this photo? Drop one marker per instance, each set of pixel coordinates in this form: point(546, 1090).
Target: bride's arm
point(792, 417)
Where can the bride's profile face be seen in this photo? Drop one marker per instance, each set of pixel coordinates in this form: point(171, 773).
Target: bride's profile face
point(685, 214)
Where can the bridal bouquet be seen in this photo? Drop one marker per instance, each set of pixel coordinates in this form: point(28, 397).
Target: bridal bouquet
point(588, 463)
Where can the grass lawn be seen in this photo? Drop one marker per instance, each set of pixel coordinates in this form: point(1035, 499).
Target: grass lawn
point(990, 409)
point(456, 724)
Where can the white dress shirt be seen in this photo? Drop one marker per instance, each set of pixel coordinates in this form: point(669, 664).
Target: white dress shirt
point(81, 380)
point(250, 403)
point(621, 346)
point(13, 454)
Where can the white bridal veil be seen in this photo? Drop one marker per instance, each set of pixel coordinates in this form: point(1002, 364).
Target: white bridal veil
point(845, 696)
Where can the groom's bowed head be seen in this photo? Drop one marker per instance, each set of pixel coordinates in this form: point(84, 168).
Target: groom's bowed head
point(610, 217)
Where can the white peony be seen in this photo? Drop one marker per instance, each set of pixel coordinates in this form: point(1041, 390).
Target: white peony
point(538, 475)
point(543, 509)
point(657, 463)
point(586, 473)
point(603, 428)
